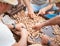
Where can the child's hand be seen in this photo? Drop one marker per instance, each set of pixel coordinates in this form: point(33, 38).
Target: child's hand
point(42, 11)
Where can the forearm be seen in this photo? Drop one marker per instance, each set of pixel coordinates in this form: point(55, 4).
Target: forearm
point(10, 26)
point(52, 21)
point(22, 42)
point(49, 7)
point(27, 3)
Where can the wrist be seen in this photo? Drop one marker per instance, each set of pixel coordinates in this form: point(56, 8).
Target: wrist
point(10, 26)
point(17, 27)
point(30, 10)
point(24, 36)
point(42, 25)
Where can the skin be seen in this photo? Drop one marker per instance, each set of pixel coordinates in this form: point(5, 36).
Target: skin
point(23, 40)
point(21, 31)
point(30, 9)
point(45, 40)
point(53, 21)
point(42, 11)
point(24, 34)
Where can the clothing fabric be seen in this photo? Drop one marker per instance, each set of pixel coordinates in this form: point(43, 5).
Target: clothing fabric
point(36, 8)
point(6, 36)
point(39, 2)
point(12, 2)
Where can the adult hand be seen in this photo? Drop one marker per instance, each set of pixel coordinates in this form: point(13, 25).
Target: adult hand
point(24, 32)
point(31, 14)
point(45, 39)
point(19, 26)
point(38, 26)
point(21, 29)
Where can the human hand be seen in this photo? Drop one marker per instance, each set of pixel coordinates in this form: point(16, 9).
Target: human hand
point(19, 25)
point(31, 14)
point(24, 32)
point(42, 11)
point(38, 26)
point(21, 29)
point(45, 39)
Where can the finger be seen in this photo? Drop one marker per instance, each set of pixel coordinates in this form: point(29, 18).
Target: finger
point(22, 25)
point(44, 12)
point(31, 16)
point(39, 13)
point(33, 27)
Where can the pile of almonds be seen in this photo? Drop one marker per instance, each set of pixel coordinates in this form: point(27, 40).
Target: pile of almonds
point(34, 37)
point(21, 17)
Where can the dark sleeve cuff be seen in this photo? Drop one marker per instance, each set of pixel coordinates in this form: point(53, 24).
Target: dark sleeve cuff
point(14, 25)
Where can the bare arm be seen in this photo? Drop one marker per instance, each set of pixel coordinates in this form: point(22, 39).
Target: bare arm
point(53, 21)
point(23, 40)
point(21, 31)
point(50, 5)
point(30, 9)
point(27, 3)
